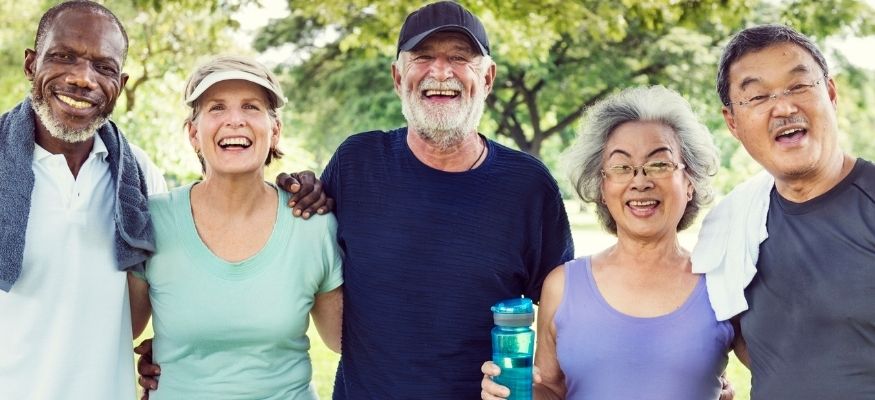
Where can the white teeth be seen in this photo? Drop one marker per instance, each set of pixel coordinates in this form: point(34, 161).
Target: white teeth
point(235, 141)
point(74, 103)
point(790, 132)
point(441, 93)
point(642, 203)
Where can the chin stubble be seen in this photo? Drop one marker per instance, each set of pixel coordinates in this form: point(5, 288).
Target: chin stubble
point(443, 125)
point(57, 129)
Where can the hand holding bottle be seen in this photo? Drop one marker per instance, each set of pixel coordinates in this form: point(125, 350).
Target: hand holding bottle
point(490, 390)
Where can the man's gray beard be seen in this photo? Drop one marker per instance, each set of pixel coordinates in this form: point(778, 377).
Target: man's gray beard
point(444, 125)
point(57, 129)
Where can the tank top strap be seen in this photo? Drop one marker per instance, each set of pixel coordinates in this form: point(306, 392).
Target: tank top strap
point(578, 289)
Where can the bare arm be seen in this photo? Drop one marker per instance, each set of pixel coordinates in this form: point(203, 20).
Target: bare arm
point(738, 344)
point(141, 308)
point(552, 382)
point(327, 315)
point(548, 379)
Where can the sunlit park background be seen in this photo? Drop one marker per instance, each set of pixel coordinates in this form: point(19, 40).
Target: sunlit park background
point(555, 58)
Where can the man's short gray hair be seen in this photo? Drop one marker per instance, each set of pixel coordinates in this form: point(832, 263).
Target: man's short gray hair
point(584, 159)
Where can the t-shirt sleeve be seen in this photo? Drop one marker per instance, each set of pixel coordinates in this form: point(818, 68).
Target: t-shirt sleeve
point(556, 244)
point(332, 257)
point(139, 271)
point(331, 176)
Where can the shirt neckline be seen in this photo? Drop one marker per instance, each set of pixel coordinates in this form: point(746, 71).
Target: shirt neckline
point(674, 314)
point(198, 250)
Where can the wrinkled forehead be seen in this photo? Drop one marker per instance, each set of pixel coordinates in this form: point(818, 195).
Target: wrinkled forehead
point(642, 139)
point(86, 30)
point(772, 64)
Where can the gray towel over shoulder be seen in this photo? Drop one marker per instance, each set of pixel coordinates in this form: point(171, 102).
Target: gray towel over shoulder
point(134, 239)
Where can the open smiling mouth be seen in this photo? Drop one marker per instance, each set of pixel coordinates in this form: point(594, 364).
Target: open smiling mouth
point(235, 142)
point(791, 135)
point(77, 104)
point(441, 94)
point(642, 204)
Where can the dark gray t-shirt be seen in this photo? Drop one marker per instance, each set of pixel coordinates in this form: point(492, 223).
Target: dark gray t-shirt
point(810, 329)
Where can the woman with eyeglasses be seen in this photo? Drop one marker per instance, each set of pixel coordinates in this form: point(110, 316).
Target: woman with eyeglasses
point(633, 321)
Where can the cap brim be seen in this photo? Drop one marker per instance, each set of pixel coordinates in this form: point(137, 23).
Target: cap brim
point(411, 43)
point(220, 76)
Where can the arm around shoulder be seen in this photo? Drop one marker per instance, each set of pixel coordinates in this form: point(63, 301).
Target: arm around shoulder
point(327, 315)
point(739, 346)
point(141, 307)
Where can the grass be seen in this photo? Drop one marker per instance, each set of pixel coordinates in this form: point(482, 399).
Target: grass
point(588, 239)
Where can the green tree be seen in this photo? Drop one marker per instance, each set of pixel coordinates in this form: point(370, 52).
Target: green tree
point(555, 59)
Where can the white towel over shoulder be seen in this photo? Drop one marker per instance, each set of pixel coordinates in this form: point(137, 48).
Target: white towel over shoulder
point(729, 244)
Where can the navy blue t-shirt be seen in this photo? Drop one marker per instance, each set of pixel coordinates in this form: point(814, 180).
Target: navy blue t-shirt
point(810, 328)
point(426, 253)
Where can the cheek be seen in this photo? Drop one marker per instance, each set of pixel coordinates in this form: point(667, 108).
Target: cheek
point(111, 93)
point(200, 134)
point(612, 195)
point(681, 190)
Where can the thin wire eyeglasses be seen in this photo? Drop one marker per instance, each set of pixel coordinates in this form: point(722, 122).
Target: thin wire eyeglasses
point(623, 173)
point(760, 103)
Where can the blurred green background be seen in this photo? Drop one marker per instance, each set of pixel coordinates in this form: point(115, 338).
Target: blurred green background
point(555, 58)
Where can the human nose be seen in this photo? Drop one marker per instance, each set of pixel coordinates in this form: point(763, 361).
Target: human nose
point(441, 69)
point(640, 180)
point(235, 119)
point(782, 105)
point(81, 75)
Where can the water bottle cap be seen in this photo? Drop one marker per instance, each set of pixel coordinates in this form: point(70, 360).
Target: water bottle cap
point(514, 312)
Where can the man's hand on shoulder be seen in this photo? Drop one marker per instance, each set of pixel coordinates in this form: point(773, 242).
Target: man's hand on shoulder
point(307, 194)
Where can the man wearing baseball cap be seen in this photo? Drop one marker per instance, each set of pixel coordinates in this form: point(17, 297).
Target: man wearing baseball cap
point(470, 222)
point(436, 222)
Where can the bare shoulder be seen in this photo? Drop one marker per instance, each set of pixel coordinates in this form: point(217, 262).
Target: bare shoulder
point(554, 286)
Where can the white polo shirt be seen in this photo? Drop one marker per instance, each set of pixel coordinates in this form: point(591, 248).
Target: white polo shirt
point(65, 327)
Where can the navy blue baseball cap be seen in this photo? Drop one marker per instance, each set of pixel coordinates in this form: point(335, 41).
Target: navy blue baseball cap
point(442, 16)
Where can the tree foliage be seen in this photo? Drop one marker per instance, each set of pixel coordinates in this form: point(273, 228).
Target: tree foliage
point(555, 59)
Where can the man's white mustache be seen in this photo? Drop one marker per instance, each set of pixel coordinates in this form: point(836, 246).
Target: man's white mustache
point(434, 84)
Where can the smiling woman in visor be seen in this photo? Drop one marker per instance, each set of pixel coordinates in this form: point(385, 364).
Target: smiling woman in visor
point(236, 277)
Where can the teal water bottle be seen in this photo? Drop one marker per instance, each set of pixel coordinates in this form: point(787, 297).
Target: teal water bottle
point(513, 346)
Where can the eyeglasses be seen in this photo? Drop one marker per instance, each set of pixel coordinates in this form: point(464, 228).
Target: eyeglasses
point(760, 102)
point(654, 169)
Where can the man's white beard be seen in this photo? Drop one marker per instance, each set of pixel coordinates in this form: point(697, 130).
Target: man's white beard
point(57, 129)
point(444, 125)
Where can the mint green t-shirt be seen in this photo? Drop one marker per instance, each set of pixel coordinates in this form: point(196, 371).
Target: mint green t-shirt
point(236, 330)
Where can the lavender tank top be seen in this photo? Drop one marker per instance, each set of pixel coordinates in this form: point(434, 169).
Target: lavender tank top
point(608, 355)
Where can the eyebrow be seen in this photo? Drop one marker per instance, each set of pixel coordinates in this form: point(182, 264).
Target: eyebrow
point(799, 69)
point(68, 49)
point(651, 154)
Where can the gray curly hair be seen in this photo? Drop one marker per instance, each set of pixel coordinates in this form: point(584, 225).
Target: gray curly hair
point(584, 159)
